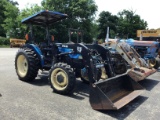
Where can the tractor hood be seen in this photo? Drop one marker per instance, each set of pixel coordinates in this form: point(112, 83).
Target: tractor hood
point(44, 17)
point(141, 43)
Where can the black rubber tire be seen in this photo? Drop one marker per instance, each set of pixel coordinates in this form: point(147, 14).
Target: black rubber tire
point(85, 80)
point(157, 63)
point(98, 77)
point(65, 68)
point(32, 61)
point(120, 69)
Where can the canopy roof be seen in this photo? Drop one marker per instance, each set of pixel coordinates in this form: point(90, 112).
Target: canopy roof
point(44, 17)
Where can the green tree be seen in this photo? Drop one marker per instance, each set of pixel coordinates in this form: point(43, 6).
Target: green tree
point(10, 23)
point(26, 12)
point(106, 19)
point(80, 15)
point(2, 17)
point(4, 6)
point(129, 23)
point(13, 2)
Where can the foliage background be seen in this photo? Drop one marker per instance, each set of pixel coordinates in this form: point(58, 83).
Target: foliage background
point(82, 15)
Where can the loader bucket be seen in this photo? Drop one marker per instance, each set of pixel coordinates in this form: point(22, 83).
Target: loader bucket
point(142, 74)
point(114, 93)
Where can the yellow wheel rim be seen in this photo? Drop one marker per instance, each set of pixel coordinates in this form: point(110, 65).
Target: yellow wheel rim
point(59, 79)
point(22, 66)
point(152, 62)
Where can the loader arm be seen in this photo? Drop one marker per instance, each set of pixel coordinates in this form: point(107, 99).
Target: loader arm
point(106, 56)
point(127, 55)
point(89, 62)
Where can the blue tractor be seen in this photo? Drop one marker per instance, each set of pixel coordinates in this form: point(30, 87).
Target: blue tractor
point(148, 50)
point(68, 61)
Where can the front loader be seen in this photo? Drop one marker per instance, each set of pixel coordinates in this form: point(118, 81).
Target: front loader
point(66, 61)
point(114, 60)
point(118, 54)
point(139, 68)
point(115, 91)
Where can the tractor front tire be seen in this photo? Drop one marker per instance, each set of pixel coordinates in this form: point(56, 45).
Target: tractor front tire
point(86, 79)
point(120, 69)
point(26, 64)
point(62, 78)
point(157, 65)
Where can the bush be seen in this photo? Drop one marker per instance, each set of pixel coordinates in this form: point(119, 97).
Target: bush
point(4, 41)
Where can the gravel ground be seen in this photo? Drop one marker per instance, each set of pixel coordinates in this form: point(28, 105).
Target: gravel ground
point(36, 100)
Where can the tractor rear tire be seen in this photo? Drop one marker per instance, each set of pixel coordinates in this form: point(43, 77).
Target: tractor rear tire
point(62, 78)
point(26, 64)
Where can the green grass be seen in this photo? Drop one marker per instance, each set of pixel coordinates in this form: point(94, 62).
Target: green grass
point(4, 46)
